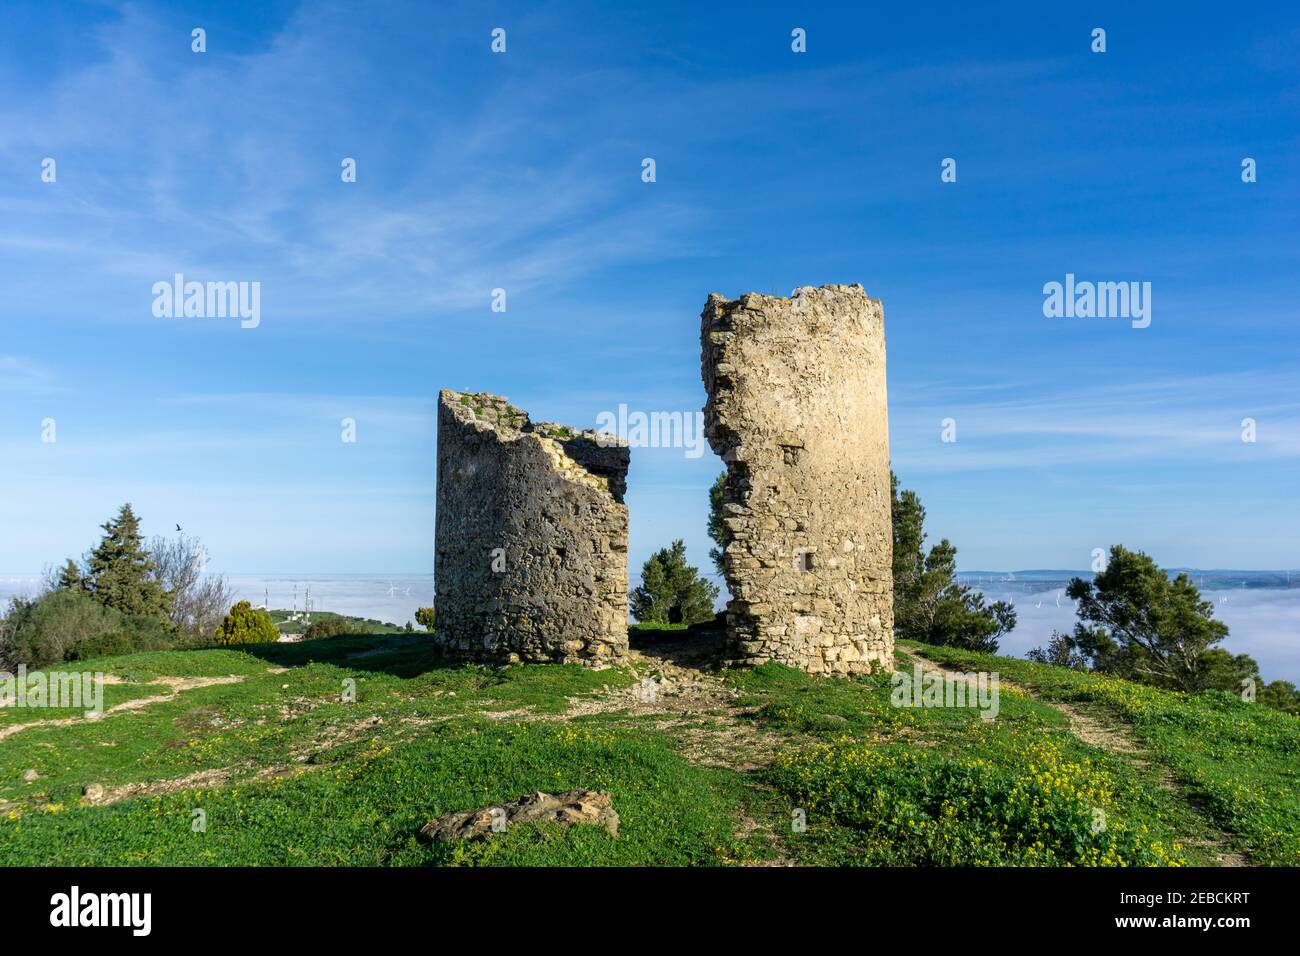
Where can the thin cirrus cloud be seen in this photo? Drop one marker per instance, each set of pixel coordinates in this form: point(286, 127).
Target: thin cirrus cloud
point(1171, 420)
point(218, 167)
point(25, 376)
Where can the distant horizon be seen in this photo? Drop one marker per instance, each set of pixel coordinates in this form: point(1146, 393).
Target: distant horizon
point(1263, 620)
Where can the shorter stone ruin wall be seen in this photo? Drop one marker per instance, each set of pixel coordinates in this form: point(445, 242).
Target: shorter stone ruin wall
point(531, 537)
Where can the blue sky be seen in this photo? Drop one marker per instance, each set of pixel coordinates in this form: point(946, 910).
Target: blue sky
point(523, 171)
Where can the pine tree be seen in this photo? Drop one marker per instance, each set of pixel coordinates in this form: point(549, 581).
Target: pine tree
point(1136, 622)
point(717, 530)
point(121, 574)
point(70, 577)
point(671, 591)
point(908, 518)
point(929, 604)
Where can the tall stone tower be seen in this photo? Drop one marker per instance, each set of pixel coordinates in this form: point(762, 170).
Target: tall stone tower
point(797, 410)
point(531, 537)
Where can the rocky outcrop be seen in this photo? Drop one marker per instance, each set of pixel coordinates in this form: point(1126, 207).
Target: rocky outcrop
point(797, 410)
point(563, 809)
point(531, 537)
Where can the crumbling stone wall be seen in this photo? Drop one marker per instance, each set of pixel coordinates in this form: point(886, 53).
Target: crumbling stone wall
point(797, 410)
point(531, 537)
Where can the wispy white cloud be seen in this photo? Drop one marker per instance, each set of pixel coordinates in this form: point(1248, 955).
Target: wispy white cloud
point(26, 376)
point(1174, 419)
point(228, 166)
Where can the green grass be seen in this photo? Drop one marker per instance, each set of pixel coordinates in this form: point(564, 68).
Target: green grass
point(288, 770)
point(367, 809)
point(1239, 760)
point(942, 786)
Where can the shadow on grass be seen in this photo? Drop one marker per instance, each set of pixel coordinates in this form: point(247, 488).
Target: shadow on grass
point(401, 655)
point(701, 646)
point(409, 655)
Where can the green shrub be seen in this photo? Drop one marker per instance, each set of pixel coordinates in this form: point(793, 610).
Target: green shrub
point(69, 625)
point(244, 625)
point(327, 627)
point(424, 617)
point(1034, 805)
point(1281, 695)
point(140, 634)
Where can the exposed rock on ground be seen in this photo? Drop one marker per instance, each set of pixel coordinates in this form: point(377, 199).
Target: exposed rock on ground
point(565, 809)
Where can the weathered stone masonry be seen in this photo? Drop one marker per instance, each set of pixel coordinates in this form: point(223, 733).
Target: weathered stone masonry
point(551, 498)
point(797, 410)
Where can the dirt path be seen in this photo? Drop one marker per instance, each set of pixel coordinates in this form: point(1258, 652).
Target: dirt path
point(176, 685)
point(1116, 738)
point(199, 780)
point(680, 690)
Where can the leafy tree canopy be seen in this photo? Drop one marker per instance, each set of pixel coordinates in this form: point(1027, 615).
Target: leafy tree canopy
point(247, 625)
point(1136, 622)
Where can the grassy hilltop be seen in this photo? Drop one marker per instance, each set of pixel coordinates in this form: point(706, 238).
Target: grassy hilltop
point(716, 767)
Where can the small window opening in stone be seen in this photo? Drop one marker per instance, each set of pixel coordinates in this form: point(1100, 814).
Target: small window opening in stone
point(803, 561)
point(560, 553)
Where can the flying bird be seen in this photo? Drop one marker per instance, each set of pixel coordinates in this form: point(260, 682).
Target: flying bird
point(178, 527)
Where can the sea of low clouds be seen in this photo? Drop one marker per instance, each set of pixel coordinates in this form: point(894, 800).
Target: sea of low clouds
point(1263, 622)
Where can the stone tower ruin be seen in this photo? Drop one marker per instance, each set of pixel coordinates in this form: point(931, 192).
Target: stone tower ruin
point(796, 409)
point(531, 537)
